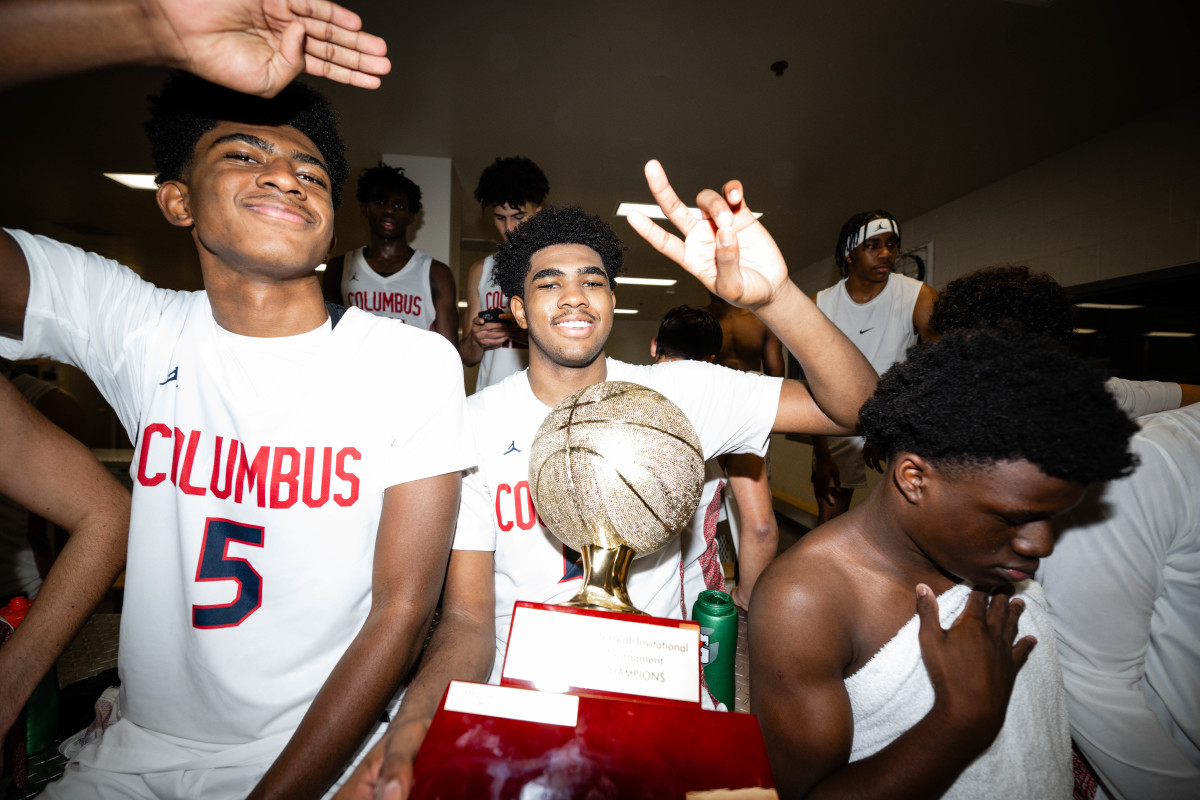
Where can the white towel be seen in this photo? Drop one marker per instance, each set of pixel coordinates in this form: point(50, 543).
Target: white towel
point(1030, 758)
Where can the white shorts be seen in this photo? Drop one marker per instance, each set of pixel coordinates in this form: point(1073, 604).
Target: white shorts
point(847, 454)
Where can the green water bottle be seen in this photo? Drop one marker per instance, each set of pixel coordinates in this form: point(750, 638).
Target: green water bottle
point(718, 619)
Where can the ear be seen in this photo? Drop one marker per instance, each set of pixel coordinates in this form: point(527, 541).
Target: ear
point(711, 359)
point(911, 475)
point(363, 207)
point(654, 348)
point(173, 202)
point(517, 306)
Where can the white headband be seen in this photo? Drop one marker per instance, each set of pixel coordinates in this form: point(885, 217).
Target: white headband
point(872, 228)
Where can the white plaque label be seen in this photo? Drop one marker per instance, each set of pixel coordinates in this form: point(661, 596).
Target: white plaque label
point(555, 651)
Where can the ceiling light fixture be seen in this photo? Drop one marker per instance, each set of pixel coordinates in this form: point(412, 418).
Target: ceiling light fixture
point(625, 311)
point(1170, 334)
point(654, 212)
point(134, 180)
point(1108, 306)
point(647, 281)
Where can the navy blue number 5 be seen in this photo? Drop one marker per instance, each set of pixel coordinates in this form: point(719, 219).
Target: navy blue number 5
point(216, 565)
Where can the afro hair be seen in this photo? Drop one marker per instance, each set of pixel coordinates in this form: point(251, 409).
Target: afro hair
point(391, 177)
point(985, 298)
point(189, 107)
point(689, 332)
point(978, 397)
point(512, 181)
point(551, 226)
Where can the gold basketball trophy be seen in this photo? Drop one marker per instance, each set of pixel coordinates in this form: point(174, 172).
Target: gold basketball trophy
point(616, 471)
point(595, 692)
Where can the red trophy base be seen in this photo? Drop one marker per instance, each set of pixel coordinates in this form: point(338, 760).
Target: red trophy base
point(612, 749)
point(617, 716)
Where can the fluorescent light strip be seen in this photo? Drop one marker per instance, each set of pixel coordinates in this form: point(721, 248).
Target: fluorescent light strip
point(648, 281)
point(1084, 330)
point(134, 180)
point(625, 311)
point(652, 211)
point(1170, 334)
point(1107, 306)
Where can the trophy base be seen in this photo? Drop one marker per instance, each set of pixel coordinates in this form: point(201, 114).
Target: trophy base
point(507, 743)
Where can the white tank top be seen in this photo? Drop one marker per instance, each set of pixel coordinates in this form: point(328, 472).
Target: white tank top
point(404, 295)
point(499, 363)
point(882, 327)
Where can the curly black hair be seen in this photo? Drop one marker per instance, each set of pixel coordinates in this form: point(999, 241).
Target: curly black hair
point(391, 177)
point(986, 297)
point(977, 397)
point(188, 107)
point(849, 228)
point(512, 181)
point(551, 226)
point(689, 332)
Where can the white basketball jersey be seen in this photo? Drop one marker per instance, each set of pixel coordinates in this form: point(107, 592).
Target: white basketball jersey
point(497, 364)
point(404, 295)
point(882, 327)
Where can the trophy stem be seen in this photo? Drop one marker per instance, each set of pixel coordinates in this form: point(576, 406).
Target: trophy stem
point(605, 575)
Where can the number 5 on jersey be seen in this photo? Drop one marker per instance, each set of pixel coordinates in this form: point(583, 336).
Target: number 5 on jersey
point(217, 565)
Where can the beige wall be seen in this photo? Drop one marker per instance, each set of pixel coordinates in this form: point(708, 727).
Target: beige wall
point(1122, 203)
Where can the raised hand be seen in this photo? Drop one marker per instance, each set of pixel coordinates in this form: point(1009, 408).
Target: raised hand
point(728, 250)
point(974, 663)
point(260, 46)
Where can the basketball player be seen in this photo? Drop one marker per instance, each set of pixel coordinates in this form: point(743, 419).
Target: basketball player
point(883, 314)
point(558, 270)
point(388, 277)
point(887, 659)
point(514, 190)
point(283, 564)
point(694, 333)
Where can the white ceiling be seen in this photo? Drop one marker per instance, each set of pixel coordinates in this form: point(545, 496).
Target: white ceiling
point(900, 105)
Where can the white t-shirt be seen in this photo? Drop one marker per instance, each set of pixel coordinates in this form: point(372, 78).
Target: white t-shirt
point(1138, 398)
point(731, 411)
point(499, 362)
point(1124, 597)
point(404, 295)
point(255, 511)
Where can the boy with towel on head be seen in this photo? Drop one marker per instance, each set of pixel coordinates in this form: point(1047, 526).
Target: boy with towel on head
point(887, 658)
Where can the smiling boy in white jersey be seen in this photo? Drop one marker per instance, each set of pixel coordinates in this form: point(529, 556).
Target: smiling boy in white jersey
point(558, 270)
point(282, 567)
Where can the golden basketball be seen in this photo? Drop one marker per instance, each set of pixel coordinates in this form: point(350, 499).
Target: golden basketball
point(616, 463)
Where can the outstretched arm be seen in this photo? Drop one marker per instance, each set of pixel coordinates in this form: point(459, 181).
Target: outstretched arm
point(254, 46)
point(415, 530)
point(56, 477)
point(734, 257)
point(462, 648)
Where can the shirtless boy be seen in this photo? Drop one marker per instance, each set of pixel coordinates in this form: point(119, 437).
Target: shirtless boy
point(856, 696)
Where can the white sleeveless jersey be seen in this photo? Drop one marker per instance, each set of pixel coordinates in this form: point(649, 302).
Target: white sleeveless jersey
point(498, 363)
point(404, 295)
point(255, 511)
point(881, 328)
point(732, 412)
